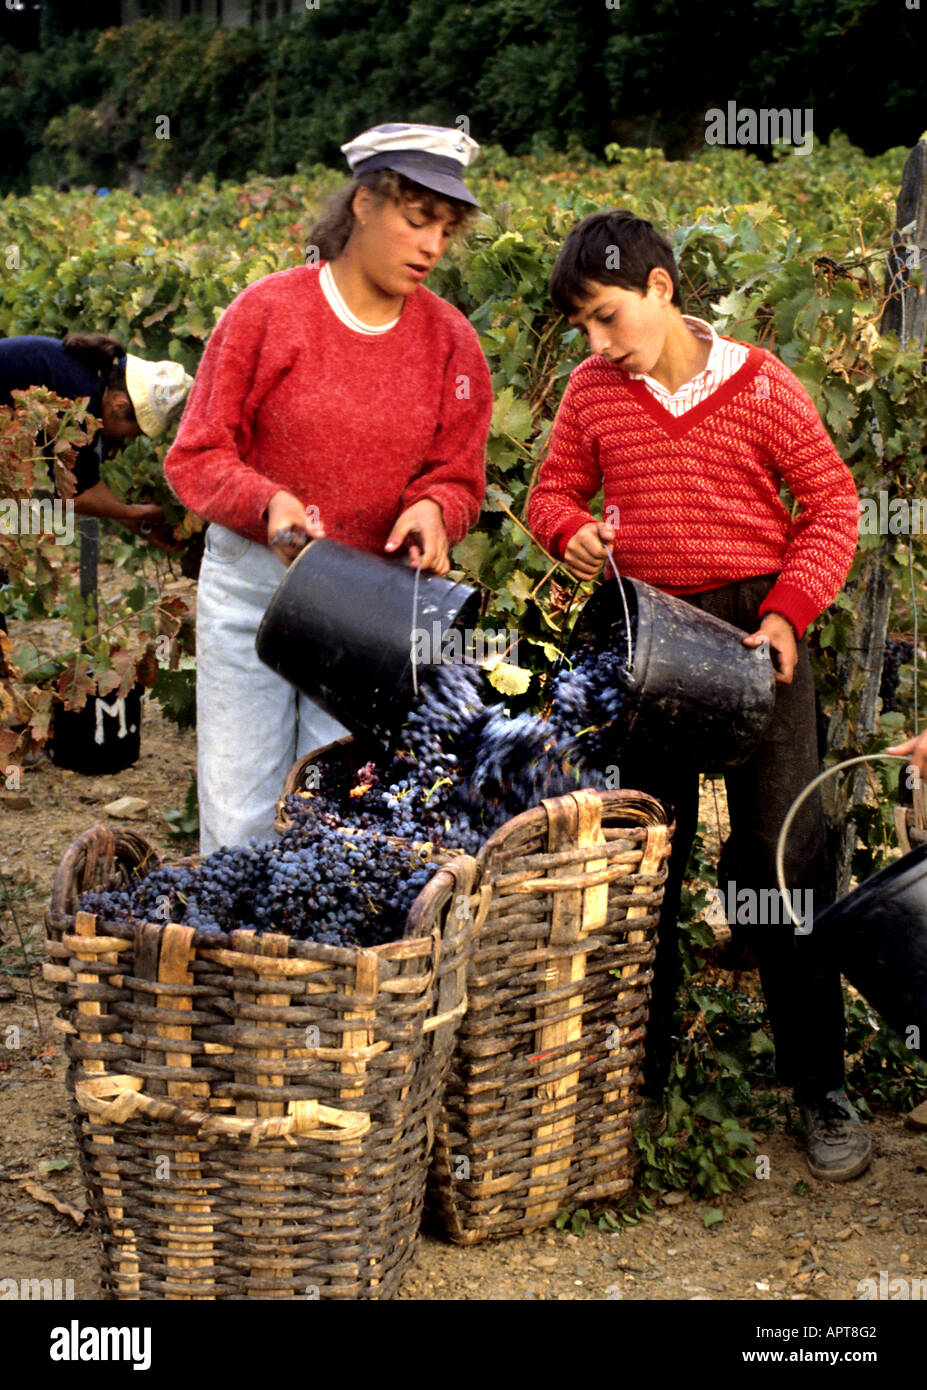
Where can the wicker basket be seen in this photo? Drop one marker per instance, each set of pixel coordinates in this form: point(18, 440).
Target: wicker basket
point(254, 1114)
point(543, 1090)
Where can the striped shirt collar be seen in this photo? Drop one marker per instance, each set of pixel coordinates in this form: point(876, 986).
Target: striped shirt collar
point(714, 365)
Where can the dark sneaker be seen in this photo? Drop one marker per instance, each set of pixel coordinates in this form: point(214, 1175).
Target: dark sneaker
point(838, 1146)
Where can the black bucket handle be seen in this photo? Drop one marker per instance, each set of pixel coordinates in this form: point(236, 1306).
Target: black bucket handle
point(800, 800)
point(418, 571)
point(412, 630)
point(627, 616)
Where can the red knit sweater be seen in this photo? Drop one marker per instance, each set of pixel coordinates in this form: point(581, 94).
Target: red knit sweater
point(698, 496)
point(360, 426)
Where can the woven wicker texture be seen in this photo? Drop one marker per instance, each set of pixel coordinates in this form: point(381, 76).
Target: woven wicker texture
point(254, 1114)
point(543, 1090)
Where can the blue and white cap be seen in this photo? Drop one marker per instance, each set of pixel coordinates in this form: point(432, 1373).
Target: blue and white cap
point(434, 156)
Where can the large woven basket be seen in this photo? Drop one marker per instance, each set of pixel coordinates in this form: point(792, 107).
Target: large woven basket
point(543, 1090)
point(254, 1114)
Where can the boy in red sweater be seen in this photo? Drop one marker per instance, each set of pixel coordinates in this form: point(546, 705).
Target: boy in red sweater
point(691, 435)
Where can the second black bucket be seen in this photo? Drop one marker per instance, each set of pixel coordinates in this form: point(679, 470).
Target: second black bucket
point(878, 936)
point(694, 691)
point(102, 738)
point(345, 626)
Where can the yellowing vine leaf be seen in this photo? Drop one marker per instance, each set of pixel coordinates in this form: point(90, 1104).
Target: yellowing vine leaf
point(509, 679)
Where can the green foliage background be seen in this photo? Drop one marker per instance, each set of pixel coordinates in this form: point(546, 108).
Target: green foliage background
point(83, 108)
point(790, 254)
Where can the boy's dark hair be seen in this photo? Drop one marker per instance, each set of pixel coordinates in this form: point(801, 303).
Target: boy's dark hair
point(611, 248)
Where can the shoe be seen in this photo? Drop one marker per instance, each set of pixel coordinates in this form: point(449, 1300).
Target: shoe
point(838, 1146)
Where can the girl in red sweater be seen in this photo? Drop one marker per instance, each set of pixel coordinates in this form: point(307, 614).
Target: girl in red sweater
point(691, 437)
point(340, 398)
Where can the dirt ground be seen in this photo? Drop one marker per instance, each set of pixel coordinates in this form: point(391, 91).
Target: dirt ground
point(772, 1244)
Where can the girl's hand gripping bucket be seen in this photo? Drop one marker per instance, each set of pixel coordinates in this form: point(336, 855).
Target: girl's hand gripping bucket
point(351, 629)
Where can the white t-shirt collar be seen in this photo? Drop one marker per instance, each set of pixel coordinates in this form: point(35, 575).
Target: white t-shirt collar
point(340, 309)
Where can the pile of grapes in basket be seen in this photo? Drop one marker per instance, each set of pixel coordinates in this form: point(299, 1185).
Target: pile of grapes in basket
point(355, 853)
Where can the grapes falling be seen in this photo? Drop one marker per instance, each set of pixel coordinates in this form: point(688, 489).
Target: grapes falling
point(353, 858)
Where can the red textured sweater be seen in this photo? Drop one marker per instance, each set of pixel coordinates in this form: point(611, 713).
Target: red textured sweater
point(361, 426)
point(698, 496)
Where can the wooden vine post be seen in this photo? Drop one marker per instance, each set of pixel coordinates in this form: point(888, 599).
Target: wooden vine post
point(854, 717)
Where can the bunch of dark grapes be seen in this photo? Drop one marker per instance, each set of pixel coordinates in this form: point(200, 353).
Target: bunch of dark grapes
point(897, 654)
point(515, 762)
point(322, 881)
point(588, 700)
point(346, 871)
point(340, 885)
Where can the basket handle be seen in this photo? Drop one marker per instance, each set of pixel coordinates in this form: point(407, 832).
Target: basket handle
point(793, 812)
point(115, 1099)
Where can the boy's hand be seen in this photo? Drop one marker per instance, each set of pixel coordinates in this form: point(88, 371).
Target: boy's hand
point(586, 552)
point(778, 632)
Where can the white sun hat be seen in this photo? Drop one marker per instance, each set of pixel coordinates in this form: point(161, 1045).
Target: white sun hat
point(434, 156)
point(157, 391)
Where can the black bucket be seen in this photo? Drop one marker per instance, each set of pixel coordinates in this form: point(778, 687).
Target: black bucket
point(103, 737)
point(695, 692)
point(344, 626)
point(878, 936)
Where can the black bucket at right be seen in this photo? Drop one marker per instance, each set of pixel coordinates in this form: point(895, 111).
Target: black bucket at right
point(694, 691)
point(878, 936)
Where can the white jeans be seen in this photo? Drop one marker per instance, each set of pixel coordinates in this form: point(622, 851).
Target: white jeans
point(251, 724)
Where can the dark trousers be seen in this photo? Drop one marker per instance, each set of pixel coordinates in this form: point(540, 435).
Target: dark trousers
point(801, 982)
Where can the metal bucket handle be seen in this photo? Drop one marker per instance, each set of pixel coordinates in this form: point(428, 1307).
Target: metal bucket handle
point(627, 616)
point(799, 801)
point(627, 620)
point(418, 571)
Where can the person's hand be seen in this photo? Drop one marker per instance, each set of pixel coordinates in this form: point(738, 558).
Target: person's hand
point(780, 635)
point(425, 521)
point(916, 750)
point(146, 520)
point(137, 513)
point(586, 553)
point(286, 513)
